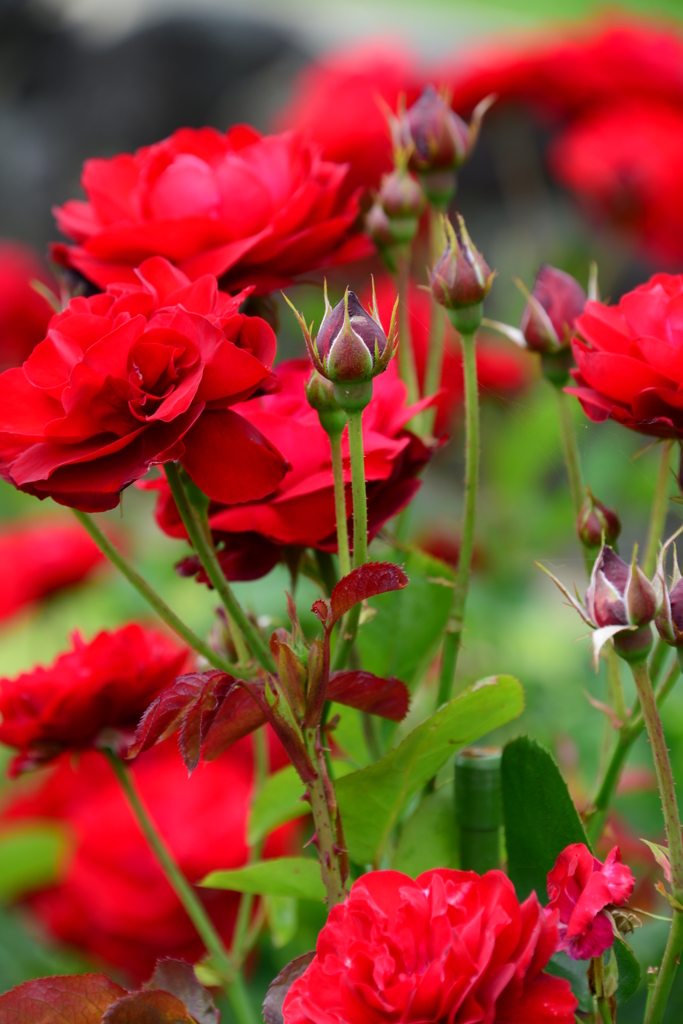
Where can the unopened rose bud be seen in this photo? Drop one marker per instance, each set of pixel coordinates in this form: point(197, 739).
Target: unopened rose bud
point(320, 395)
point(619, 594)
point(378, 227)
point(461, 279)
point(597, 524)
point(403, 201)
point(556, 300)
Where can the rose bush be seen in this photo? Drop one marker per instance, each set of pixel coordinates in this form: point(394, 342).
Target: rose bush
point(139, 375)
point(450, 945)
point(24, 314)
point(246, 208)
point(301, 511)
point(92, 695)
point(113, 901)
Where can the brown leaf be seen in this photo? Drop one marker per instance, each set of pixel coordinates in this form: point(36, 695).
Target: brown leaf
point(388, 698)
point(367, 580)
point(178, 978)
point(280, 986)
point(72, 999)
point(152, 1007)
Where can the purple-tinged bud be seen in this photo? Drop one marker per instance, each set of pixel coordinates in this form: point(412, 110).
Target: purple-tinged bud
point(460, 277)
point(597, 524)
point(619, 594)
point(378, 227)
point(403, 201)
point(553, 305)
point(320, 396)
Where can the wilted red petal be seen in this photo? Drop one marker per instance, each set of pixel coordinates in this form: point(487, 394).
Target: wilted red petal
point(367, 580)
point(72, 999)
point(388, 698)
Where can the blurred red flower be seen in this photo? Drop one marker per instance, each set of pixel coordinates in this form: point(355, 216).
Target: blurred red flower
point(247, 208)
point(581, 887)
point(24, 314)
point(140, 375)
point(301, 511)
point(502, 368)
point(93, 695)
point(114, 902)
point(40, 557)
point(630, 358)
point(448, 946)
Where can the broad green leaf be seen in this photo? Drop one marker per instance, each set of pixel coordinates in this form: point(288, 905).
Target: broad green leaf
point(576, 973)
point(430, 837)
point(629, 971)
point(298, 877)
point(372, 799)
point(403, 635)
point(539, 815)
point(31, 857)
point(280, 801)
point(283, 919)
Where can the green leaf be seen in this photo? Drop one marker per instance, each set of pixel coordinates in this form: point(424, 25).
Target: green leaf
point(283, 919)
point(576, 973)
point(539, 815)
point(629, 971)
point(430, 837)
point(372, 799)
point(298, 877)
point(404, 633)
point(31, 857)
point(279, 801)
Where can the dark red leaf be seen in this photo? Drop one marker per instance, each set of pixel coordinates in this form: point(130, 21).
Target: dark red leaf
point(280, 986)
point(165, 715)
point(238, 714)
point(201, 715)
point(367, 580)
point(73, 999)
point(178, 978)
point(153, 1007)
point(321, 609)
point(388, 698)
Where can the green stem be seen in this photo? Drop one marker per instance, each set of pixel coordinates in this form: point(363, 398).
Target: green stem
point(154, 600)
point(658, 511)
point(605, 1012)
point(406, 356)
point(572, 461)
point(360, 501)
point(327, 570)
point(454, 628)
point(437, 321)
point(240, 1002)
point(184, 891)
point(658, 659)
point(209, 560)
point(243, 936)
point(672, 824)
point(324, 810)
point(340, 504)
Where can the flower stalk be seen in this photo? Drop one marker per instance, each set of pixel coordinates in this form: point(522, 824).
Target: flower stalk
point(406, 356)
point(340, 504)
point(323, 803)
point(437, 320)
point(155, 601)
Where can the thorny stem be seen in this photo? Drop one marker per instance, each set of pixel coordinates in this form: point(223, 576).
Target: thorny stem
point(209, 560)
point(601, 1002)
point(437, 322)
point(572, 462)
point(658, 511)
point(454, 627)
point(154, 600)
point(324, 808)
point(340, 504)
point(672, 824)
point(406, 356)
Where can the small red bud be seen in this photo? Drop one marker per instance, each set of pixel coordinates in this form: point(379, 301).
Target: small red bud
point(403, 201)
point(596, 524)
point(440, 139)
point(461, 276)
point(378, 226)
point(555, 302)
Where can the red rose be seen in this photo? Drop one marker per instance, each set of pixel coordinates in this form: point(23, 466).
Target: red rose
point(140, 375)
point(114, 902)
point(94, 694)
point(301, 511)
point(625, 164)
point(501, 368)
point(24, 314)
point(247, 208)
point(580, 887)
point(40, 557)
point(630, 366)
point(450, 946)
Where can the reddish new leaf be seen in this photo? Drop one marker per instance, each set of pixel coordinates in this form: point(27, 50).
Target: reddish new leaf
point(165, 715)
point(367, 580)
point(201, 715)
point(280, 986)
point(178, 978)
point(388, 698)
point(73, 999)
point(239, 713)
point(321, 609)
point(154, 1007)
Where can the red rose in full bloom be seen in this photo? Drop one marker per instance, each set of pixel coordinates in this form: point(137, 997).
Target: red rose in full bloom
point(630, 358)
point(501, 368)
point(580, 887)
point(449, 946)
point(140, 375)
point(113, 902)
point(247, 208)
point(24, 314)
point(40, 557)
point(95, 694)
point(301, 511)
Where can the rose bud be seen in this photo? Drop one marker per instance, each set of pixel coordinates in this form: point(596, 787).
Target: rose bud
point(460, 278)
point(403, 201)
point(597, 524)
point(621, 595)
point(669, 622)
point(320, 396)
point(548, 319)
